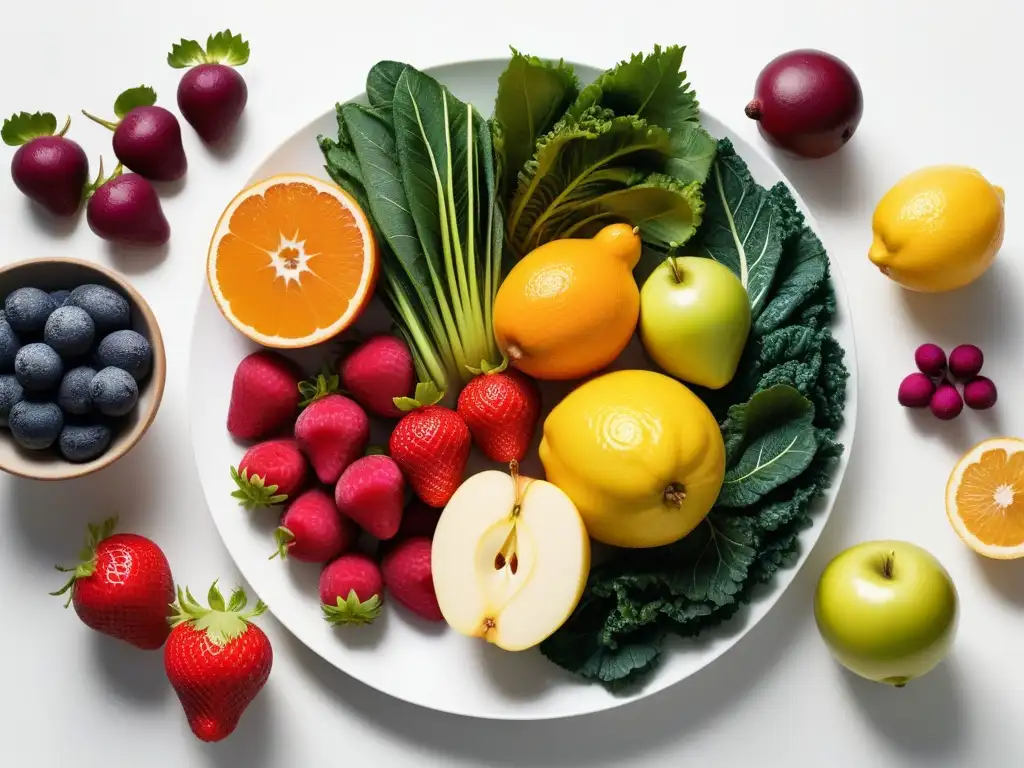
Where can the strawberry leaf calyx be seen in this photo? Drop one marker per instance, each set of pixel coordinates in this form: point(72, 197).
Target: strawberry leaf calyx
point(21, 127)
point(284, 538)
point(253, 492)
point(351, 611)
point(221, 48)
point(426, 394)
point(487, 367)
point(221, 621)
point(325, 383)
point(87, 556)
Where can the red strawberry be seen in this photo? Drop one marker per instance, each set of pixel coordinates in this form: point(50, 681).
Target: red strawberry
point(350, 590)
point(122, 587)
point(379, 370)
point(216, 660)
point(269, 473)
point(431, 445)
point(332, 432)
point(407, 575)
point(501, 409)
point(419, 519)
point(264, 395)
point(312, 530)
point(371, 491)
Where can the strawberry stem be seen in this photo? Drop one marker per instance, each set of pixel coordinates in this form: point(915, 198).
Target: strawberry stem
point(252, 492)
point(284, 538)
point(87, 556)
point(221, 622)
point(99, 120)
point(350, 610)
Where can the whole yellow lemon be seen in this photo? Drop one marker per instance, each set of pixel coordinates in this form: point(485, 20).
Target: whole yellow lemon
point(639, 454)
point(938, 228)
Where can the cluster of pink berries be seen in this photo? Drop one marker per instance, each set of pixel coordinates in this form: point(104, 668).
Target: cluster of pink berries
point(935, 386)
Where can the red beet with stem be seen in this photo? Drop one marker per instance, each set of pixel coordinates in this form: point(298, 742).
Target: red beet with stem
point(147, 138)
point(48, 168)
point(807, 102)
point(124, 208)
point(211, 95)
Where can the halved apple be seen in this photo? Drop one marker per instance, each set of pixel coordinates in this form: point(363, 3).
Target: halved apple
point(510, 559)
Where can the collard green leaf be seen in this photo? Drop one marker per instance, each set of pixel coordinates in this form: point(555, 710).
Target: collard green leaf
point(532, 96)
point(713, 559)
point(742, 228)
point(652, 87)
point(667, 211)
point(22, 127)
point(381, 83)
point(778, 444)
point(143, 96)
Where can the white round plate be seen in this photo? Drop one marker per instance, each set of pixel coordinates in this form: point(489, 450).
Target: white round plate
point(400, 655)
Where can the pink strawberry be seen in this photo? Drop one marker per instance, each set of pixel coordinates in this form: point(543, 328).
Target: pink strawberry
point(312, 530)
point(371, 491)
point(350, 590)
point(419, 519)
point(407, 575)
point(431, 445)
point(379, 370)
point(264, 395)
point(501, 409)
point(269, 473)
point(332, 432)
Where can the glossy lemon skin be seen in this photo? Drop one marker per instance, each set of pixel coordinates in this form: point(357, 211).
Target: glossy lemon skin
point(569, 307)
point(617, 442)
point(938, 229)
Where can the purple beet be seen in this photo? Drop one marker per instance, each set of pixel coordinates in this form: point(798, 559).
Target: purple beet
point(48, 168)
point(211, 95)
point(807, 102)
point(147, 138)
point(125, 209)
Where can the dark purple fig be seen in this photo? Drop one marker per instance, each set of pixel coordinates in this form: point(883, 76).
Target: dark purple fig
point(48, 167)
point(807, 102)
point(147, 138)
point(124, 208)
point(211, 95)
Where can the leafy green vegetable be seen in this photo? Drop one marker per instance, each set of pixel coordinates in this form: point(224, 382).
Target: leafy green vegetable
point(221, 48)
point(790, 385)
point(22, 127)
point(627, 148)
point(420, 162)
point(652, 87)
point(532, 96)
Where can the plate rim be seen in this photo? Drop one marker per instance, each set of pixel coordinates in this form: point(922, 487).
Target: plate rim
point(810, 537)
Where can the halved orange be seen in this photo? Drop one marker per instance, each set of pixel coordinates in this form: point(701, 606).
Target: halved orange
point(292, 261)
point(985, 498)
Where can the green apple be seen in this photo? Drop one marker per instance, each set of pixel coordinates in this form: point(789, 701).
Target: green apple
point(694, 320)
point(887, 610)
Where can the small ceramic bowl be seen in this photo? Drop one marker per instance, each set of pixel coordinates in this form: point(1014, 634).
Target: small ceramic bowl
point(51, 274)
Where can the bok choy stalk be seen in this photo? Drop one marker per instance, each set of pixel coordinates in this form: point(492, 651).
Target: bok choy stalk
point(421, 165)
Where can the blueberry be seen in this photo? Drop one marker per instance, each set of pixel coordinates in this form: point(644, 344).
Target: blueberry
point(28, 308)
point(128, 351)
point(35, 425)
point(59, 298)
point(83, 443)
point(38, 367)
point(9, 346)
point(113, 391)
point(73, 395)
point(11, 393)
point(70, 331)
point(108, 309)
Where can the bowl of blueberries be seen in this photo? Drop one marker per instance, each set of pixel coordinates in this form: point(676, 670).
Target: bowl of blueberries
point(82, 368)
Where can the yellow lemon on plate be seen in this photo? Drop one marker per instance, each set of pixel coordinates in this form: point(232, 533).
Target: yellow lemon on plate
point(638, 453)
point(938, 228)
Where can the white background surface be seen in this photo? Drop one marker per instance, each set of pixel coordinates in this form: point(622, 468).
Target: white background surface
point(939, 87)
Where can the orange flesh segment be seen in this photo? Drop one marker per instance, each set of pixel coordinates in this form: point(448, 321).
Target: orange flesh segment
point(990, 498)
point(291, 262)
